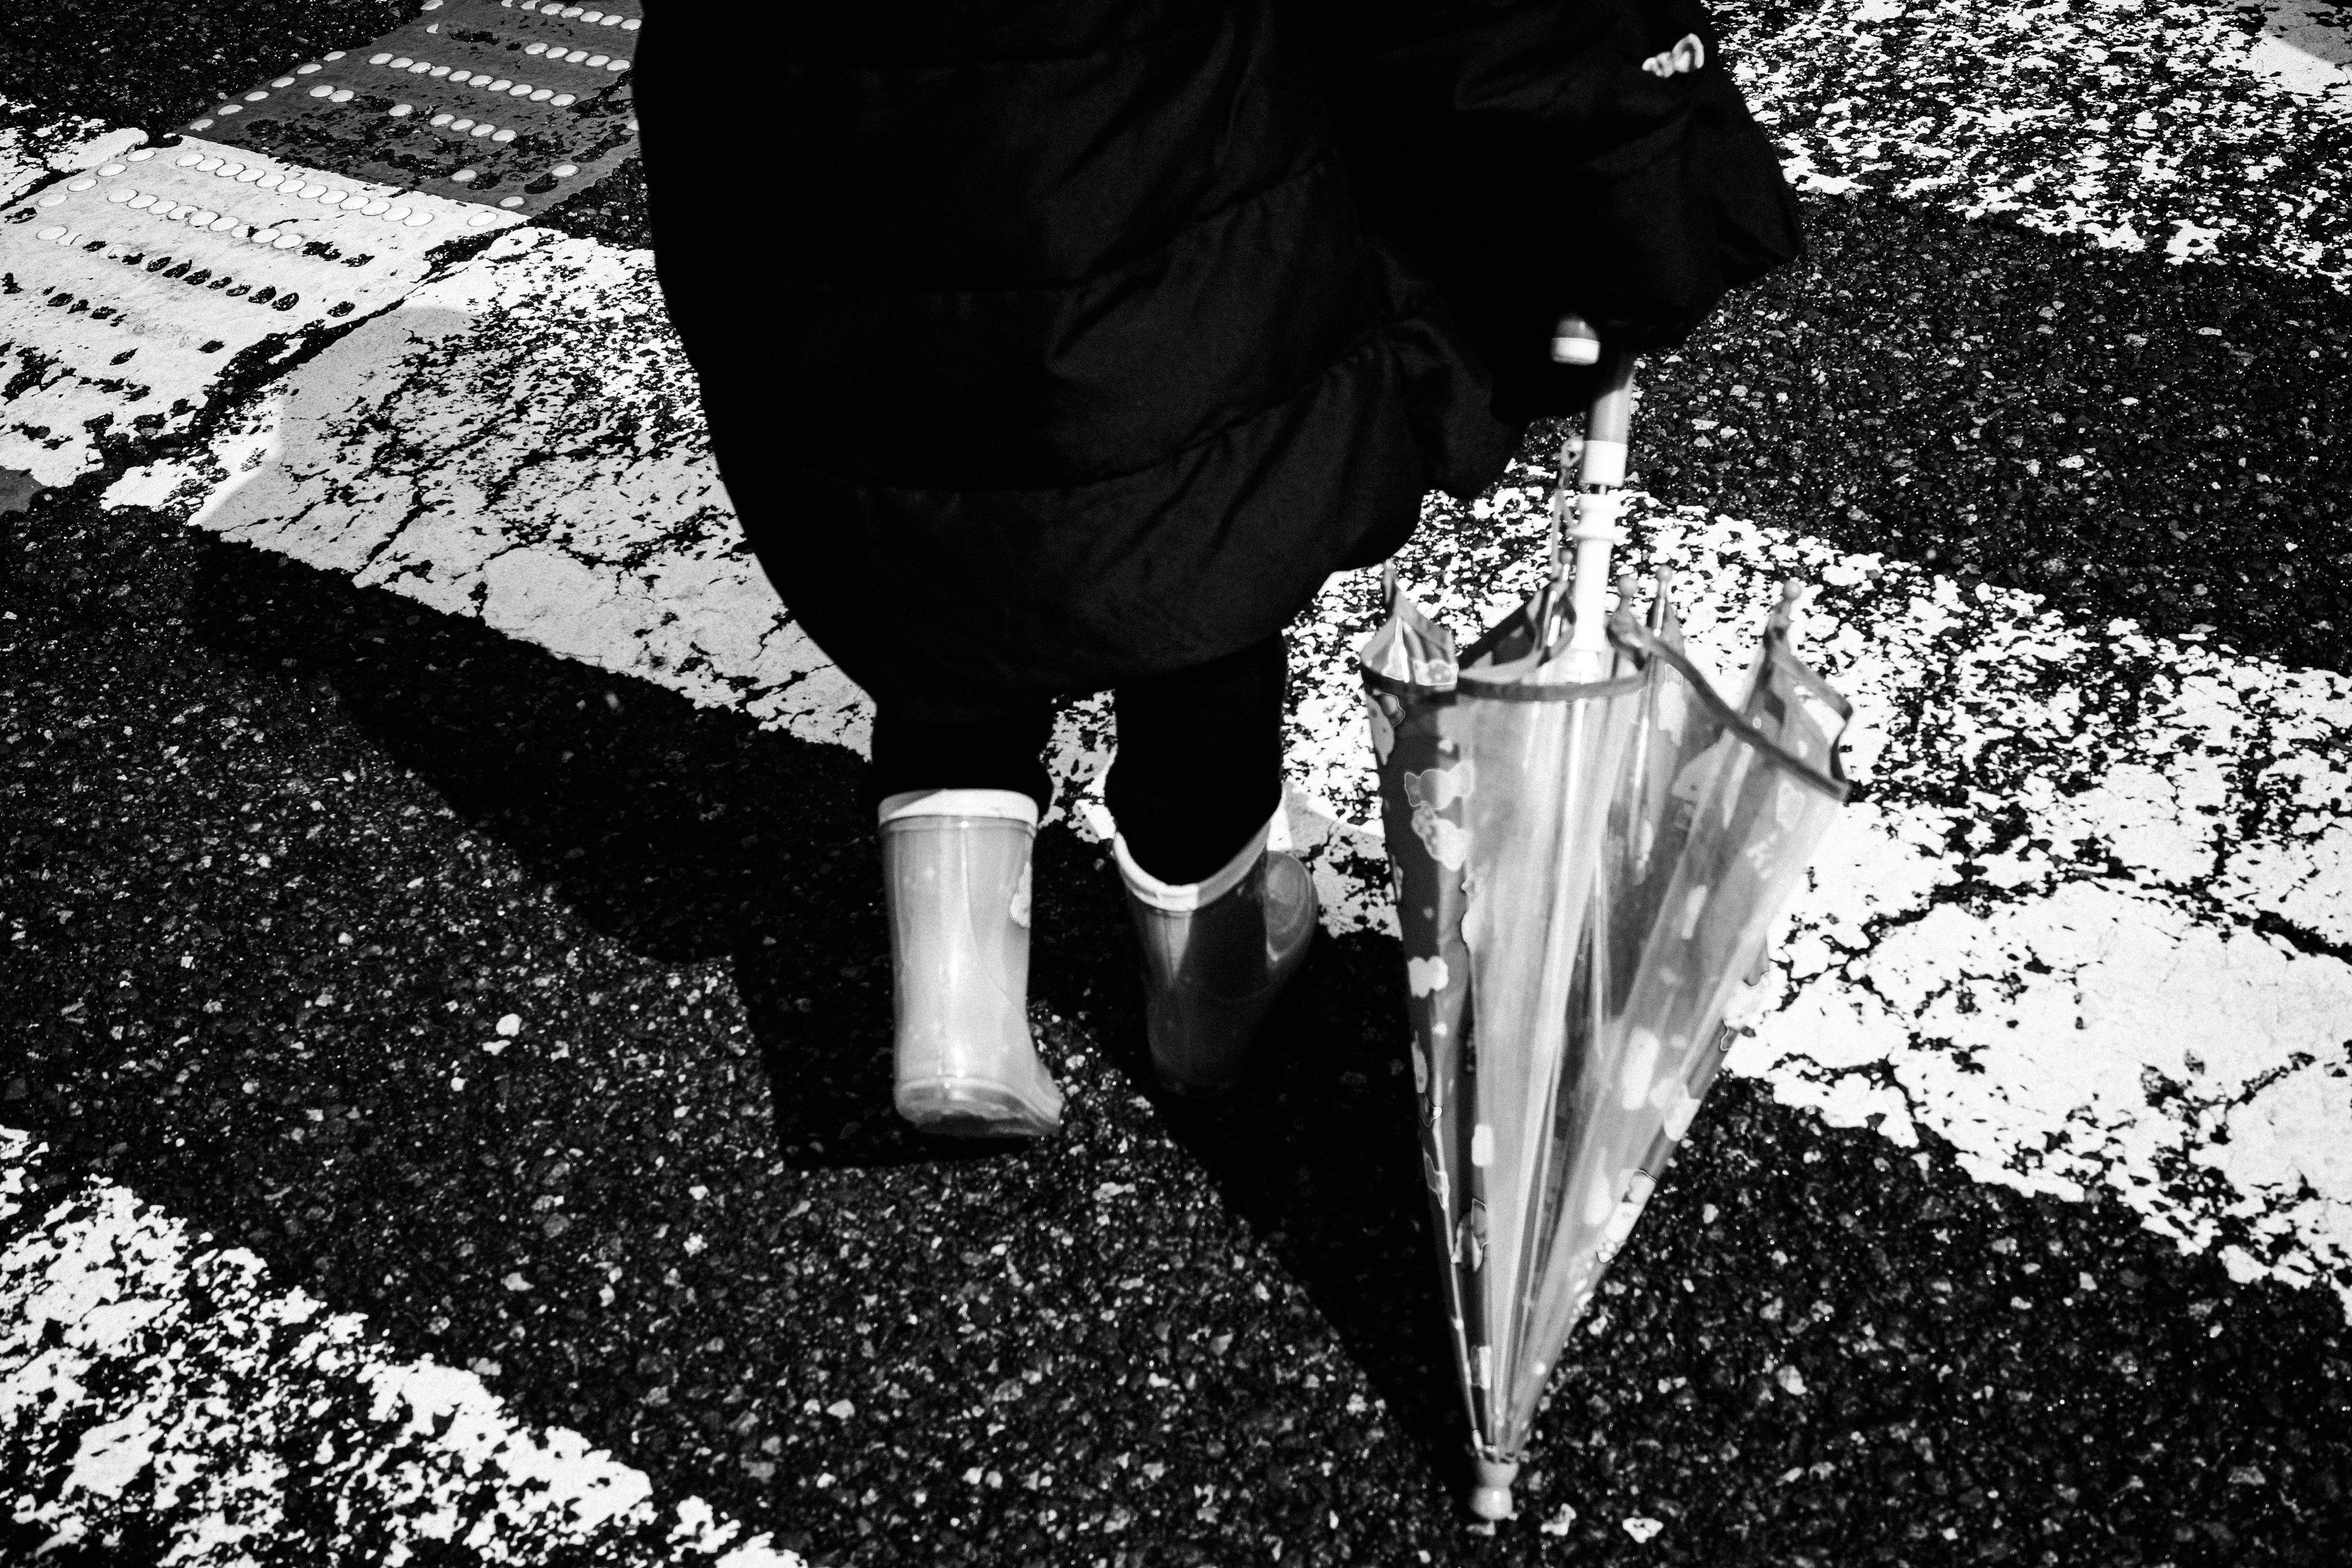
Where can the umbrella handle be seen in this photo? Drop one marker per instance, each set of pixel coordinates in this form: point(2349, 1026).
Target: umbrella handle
point(1601, 474)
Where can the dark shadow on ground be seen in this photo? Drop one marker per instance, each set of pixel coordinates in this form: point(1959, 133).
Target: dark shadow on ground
point(685, 833)
point(1317, 1151)
point(690, 833)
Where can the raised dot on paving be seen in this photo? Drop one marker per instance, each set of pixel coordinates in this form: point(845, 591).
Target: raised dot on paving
point(52, 199)
point(484, 129)
point(250, 176)
point(54, 231)
point(142, 201)
point(228, 171)
point(401, 110)
point(283, 81)
point(502, 135)
point(140, 154)
point(121, 194)
point(564, 170)
point(380, 59)
point(417, 220)
point(286, 241)
point(501, 84)
point(467, 177)
point(457, 124)
point(83, 184)
point(188, 160)
point(256, 95)
point(541, 94)
point(560, 99)
point(323, 90)
point(402, 63)
point(332, 55)
point(271, 182)
point(342, 95)
point(306, 71)
point(480, 219)
point(230, 108)
point(395, 214)
point(510, 201)
point(438, 71)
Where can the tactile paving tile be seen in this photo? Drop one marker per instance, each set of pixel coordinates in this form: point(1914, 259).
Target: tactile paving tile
point(125, 289)
point(512, 103)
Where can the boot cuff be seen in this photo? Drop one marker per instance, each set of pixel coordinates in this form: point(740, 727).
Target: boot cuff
point(1185, 897)
point(1011, 805)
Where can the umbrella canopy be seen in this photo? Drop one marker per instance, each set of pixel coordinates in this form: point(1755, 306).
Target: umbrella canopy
point(1587, 854)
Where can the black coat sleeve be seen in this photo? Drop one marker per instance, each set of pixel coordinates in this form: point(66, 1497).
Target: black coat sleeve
point(1515, 151)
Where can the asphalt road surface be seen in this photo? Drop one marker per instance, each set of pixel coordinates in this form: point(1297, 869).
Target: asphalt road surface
point(445, 1105)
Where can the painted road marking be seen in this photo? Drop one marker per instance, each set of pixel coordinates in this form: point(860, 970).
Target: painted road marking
point(141, 279)
point(2063, 828)
point(520, 440)
point(2134, 125)
point(2042, 932)
point(207, 1407)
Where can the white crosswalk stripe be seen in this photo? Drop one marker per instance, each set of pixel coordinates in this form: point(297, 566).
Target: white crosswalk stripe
point(209, 1403)
point(2133, 124)
point(2083, 924)
point(2215, 784)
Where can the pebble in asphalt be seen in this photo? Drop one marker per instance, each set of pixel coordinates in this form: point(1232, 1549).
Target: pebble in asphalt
point(1169, 1336)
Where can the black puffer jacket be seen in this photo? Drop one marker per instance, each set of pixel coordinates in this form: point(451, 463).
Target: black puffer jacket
point(1044, 344)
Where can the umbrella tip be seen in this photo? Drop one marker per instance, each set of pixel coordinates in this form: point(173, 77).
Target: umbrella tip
point(1490, 1494)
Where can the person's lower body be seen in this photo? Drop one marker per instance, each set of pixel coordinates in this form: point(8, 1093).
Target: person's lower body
point(1223, 921)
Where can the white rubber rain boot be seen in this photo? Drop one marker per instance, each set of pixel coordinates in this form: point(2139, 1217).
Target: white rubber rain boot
point(955, 873)
point(1215, 954)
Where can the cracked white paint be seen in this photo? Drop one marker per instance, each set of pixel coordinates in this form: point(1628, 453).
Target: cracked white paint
point(31, 151)
point(135, 280)
point(2306, 48)
point(2192, 128)
point(2036, 932)
point(2066, 837)
point(521, 440)
point(234, 1419)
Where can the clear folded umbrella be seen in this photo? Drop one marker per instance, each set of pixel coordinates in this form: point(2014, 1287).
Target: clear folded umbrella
point(1588, 844)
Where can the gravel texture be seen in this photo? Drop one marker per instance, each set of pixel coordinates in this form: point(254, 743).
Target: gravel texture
point(1177, 1335)
point(278, 855)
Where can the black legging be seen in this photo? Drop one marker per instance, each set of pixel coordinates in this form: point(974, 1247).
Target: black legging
point(1199, 769)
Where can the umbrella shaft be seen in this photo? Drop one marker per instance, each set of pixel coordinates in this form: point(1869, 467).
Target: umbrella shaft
point(1600, 471)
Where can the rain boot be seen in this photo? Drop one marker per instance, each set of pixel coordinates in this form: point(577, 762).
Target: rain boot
point(955, 875)
point(1217, 952)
